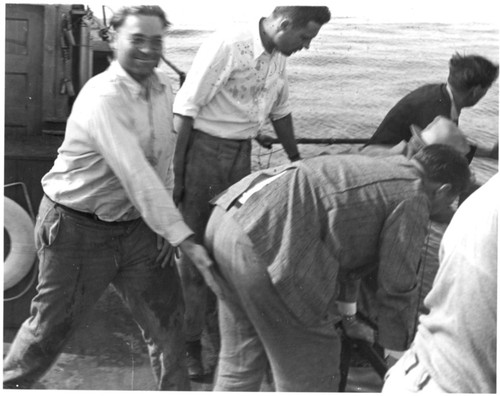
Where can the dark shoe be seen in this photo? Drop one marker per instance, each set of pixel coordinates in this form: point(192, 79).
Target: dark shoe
point(193, 360)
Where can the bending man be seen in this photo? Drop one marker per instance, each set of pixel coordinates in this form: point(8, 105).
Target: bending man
point(282, 238)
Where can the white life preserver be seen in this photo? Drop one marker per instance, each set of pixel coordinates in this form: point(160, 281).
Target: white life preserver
point(21, 257)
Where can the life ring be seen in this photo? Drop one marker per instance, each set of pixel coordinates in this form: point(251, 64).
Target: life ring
point(22, 253)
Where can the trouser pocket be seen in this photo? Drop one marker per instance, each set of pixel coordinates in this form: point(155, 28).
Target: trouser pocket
point(48, 224)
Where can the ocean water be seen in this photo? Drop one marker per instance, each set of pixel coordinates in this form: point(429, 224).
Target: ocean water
point(349, 79)
point(355, 72)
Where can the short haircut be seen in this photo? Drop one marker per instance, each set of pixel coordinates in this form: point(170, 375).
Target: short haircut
point(444, 164)
point(469, 71)
point(302, 15)
point(119, 17)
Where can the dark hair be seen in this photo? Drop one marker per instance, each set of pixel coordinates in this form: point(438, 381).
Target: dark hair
point(119, 17)
point(302, 15)
point(469, 71)
point(444, 164)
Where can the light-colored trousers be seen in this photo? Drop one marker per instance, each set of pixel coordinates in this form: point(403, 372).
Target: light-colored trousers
point(258, 329)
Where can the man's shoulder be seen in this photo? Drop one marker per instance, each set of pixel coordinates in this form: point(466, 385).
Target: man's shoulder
point(385, 150)
point(423, 97)
point(361, 167)
point(99, 92)
point(104, 84)
point(426, 91)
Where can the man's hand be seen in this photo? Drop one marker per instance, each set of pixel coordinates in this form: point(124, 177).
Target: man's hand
point(200, 258)
point(356, 328)
point(167, 251)
point(265, 141)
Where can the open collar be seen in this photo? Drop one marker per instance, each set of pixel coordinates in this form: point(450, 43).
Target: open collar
point(454, 113)
point(137, 90)
point(258, 47)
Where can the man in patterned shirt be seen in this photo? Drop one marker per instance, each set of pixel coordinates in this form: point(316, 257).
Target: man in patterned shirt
point(282, 238)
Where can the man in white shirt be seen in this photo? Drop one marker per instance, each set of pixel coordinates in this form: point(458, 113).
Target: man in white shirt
point(237, 81)
point(108, 215)
point(455, 346)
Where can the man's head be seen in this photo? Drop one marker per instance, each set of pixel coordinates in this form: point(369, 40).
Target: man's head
point(470, 77)
point(137, 39)
point(440, 131)
point(446, 174)
point(291, 28)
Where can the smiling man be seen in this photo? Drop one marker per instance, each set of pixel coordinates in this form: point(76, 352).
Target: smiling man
point(108, 215)
point(236, 83)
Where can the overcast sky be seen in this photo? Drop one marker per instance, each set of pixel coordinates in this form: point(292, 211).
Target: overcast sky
point(210, 13)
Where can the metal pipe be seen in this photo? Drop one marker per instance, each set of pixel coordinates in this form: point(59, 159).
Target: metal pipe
point(324, 141)
point(181, 74)
point(84, 65)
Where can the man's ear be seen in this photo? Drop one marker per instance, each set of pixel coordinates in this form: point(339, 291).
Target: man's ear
point(443, 190)
point(475, 94)
point(479, 91)
point(112, 39)
point(284, 24)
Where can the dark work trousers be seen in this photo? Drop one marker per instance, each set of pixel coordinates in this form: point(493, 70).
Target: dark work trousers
point(212, 165)
point(79, 257)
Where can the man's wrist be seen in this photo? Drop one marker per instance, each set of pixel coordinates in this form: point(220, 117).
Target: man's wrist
point(294, 157)
point(347, 308)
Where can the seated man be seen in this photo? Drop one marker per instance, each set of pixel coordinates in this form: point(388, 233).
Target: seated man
point(469, 79)
point(282, 237)
point(455, 345)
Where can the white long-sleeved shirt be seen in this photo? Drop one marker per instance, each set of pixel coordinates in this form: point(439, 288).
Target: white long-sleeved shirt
point(116, 157)
point(234, 85)
point(456, 341)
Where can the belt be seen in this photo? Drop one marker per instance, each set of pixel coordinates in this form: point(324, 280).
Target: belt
point(91, 216)
point(208, 135)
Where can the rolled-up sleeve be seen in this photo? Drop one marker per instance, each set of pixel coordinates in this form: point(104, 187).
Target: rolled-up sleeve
point(281, 107)
point(113, 139)
point(210, 70)
point(401, 244)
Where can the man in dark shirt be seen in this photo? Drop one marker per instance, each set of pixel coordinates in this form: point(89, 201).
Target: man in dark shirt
point(469, 78)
